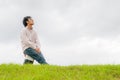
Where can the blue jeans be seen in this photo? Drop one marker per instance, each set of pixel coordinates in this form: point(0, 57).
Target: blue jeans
point(35, 55)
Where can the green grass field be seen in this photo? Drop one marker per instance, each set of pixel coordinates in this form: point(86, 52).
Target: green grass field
point(52, 72)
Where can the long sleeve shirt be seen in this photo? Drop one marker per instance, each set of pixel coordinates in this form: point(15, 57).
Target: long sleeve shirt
point(29, 38)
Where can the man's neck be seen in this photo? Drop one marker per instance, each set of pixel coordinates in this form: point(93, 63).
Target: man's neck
point(29, 27)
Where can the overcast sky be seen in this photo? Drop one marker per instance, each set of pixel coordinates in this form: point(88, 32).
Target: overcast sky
point(70, 31)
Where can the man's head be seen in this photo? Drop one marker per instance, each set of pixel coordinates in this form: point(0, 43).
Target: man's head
point(28, 21)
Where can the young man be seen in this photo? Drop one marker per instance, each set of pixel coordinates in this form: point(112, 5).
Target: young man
point(30, 43)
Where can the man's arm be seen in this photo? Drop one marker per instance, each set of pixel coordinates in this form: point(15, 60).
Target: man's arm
point(37, 43)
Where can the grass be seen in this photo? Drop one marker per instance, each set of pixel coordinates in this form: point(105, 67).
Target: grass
point(52, 72)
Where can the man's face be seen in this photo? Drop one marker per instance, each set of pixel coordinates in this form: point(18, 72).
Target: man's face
point(30, 21)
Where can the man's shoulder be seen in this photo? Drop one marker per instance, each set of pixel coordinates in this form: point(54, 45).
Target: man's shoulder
point(34, 30)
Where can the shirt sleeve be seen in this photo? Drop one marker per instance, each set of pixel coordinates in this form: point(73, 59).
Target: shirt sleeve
point(37, 41)
point(25, 40)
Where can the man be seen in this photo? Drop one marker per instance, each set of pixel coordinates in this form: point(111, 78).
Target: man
point(30, 43)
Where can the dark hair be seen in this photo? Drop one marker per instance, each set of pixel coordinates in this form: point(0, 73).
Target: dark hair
point(25, 19)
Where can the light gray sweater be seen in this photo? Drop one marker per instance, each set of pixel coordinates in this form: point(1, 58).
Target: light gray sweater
point(29, 38)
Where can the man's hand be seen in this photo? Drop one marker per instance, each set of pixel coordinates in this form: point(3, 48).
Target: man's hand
point(37, 50)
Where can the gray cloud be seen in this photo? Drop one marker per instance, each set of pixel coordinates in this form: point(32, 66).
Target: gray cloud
point(63, 19)
point(62, 23)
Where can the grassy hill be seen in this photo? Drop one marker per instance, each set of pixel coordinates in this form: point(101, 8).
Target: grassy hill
point(52, 72)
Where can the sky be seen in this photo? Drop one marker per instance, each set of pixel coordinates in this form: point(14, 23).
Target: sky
point(71, 32)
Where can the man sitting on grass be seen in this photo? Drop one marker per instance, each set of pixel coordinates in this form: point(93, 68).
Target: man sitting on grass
point(30, 43)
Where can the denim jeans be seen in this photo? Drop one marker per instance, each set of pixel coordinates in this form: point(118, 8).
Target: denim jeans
point(35, 55)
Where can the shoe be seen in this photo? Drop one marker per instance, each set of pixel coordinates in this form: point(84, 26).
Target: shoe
point(28, 61)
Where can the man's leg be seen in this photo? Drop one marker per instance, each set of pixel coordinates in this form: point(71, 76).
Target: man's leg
point(42, 58)
point(36, 56)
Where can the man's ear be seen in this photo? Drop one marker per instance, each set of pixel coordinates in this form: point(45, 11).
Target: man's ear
point(27, 22)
